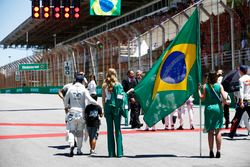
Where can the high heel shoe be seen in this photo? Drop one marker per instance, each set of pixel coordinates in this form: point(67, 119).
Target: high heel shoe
point(211, 154)
point(217, 154)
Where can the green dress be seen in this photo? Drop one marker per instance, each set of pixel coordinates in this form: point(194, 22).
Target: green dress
point(213, 108)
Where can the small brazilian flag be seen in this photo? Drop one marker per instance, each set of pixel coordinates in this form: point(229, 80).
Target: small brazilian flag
point(105, 7)
point(175, 75)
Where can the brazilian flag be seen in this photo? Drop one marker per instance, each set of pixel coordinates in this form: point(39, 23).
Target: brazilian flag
point(105, 7)
point(175, 75)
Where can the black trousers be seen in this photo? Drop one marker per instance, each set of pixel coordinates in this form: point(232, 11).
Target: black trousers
point(226, 115)
point(134, 115)
point(237, 118)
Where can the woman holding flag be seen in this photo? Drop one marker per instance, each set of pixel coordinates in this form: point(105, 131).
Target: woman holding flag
point(213, 111)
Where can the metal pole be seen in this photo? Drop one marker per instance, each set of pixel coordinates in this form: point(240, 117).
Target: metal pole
point(185, 14)
point(139, 54)
point(92, 59)
point(129, 54)
point(128, 43)
point(103, 62)
point(175, 23)
point(84, 59)
point(47, 74)
point(232, 31)
point(111, 54)
point(199, 11)
point(150, 49)
point(218, 26)
point(232, 40)
point(119, 55)
point(139, 44)
point(212, 35)
point(212, 40)
point(27, 39)
point(74, 60)
point(163, 37)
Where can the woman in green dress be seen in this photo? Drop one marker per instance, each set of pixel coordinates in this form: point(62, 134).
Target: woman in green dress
point(213, 111)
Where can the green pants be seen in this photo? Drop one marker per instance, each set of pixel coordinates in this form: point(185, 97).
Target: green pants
point(114, 120)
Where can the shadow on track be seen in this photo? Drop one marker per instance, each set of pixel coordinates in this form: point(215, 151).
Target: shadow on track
point(32, 109)
point(63, 147)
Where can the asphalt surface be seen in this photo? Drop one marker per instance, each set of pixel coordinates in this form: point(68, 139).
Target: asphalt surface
point(32, 134)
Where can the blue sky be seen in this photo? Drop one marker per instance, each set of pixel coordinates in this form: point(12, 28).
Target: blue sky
point(13, 13)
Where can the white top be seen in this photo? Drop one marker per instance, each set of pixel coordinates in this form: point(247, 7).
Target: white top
point(245, 87)
point(66, 87)
point(243, 43)
point(219, 80)
point(85, 80)
point(92, 87)
point(108, 95)
point(76, 97)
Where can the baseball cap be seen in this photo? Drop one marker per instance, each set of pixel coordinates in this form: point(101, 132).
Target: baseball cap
point(79, 78)
point(243, 68)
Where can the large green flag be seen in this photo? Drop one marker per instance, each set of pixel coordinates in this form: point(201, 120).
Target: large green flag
point(175, 75)
point(105, 7)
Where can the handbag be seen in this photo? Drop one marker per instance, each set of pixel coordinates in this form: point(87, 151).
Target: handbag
point(225, 101)
point(228, 99)
point(124, 107)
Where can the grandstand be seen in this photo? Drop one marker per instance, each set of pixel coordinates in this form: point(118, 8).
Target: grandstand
point(133, 40)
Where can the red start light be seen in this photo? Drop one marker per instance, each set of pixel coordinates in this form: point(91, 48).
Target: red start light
point(57, 9)
point(57, 15)
point(77, 9)
point(76, 15)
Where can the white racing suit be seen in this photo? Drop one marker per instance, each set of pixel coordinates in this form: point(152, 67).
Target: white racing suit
point(76, 125)
point(189, 107)
point(169, 121)
point(75, 100)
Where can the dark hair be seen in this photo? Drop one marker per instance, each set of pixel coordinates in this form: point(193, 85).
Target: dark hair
point(129, 72)
point(93, 77)
point(78, 73)
point(243, 69)
point(212, 77)
point(79, 78)
point(94, 96)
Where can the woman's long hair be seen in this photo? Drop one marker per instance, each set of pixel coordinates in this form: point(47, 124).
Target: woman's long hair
point(110, 80)
point(92, 77)
point(212, 78)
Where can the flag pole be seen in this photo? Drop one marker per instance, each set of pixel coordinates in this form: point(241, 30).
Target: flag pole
point(199, 36)
point(200, 127)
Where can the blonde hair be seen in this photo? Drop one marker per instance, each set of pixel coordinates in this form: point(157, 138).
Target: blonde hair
point(110, 80)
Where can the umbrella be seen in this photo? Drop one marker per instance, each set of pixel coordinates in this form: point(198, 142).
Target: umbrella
point(230, 81)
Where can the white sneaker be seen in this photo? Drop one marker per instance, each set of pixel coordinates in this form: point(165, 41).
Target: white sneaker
point(92, 152)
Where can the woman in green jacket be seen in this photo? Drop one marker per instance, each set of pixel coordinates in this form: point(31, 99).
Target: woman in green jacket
point(113, 102)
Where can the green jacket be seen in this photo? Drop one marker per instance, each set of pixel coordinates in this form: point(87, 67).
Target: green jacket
point(118, 104)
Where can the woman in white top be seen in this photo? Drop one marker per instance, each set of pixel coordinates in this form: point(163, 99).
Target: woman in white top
point(92, 85)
